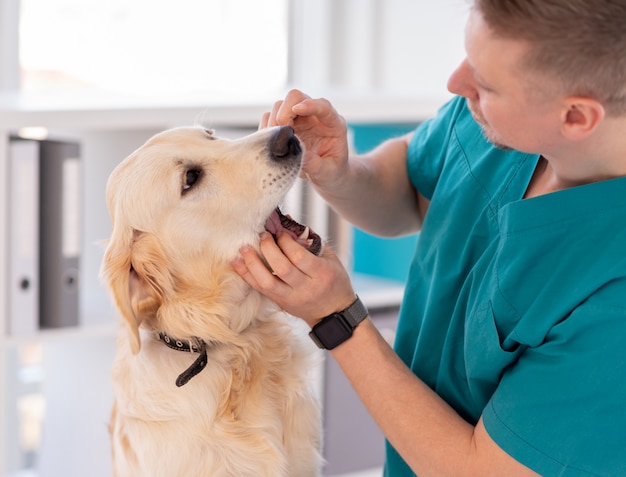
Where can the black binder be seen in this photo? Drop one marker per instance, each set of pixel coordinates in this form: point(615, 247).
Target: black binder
point(60, 209)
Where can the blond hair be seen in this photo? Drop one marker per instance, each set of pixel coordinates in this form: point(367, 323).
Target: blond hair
point(580, 42)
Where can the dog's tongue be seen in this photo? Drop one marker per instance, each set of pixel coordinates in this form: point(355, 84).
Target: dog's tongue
point(302, 234)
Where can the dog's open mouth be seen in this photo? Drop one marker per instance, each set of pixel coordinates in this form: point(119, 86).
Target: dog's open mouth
point(301, 233)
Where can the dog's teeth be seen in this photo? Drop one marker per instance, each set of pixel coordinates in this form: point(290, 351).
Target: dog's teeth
point(304, 235)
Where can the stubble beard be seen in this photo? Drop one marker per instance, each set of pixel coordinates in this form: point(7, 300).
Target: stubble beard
point(487, 131)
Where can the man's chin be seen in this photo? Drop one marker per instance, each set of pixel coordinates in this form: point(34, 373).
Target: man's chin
point(493, 139)
point(487, 131)
point(500, 145)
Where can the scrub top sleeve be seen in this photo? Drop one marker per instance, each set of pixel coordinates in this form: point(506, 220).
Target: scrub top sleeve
point(551, 406)
point(427, 151)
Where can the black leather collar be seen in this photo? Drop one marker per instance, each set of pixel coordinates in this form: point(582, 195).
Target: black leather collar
point(195, 345)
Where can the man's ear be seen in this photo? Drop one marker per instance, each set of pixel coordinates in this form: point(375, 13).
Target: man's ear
point(581, 117)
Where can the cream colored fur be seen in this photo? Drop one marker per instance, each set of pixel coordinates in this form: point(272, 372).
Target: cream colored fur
point(251, 411)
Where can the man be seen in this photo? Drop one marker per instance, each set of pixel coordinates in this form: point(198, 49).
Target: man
point(509, 352)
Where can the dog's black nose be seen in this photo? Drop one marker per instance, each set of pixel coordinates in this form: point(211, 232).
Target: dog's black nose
point(284, 144)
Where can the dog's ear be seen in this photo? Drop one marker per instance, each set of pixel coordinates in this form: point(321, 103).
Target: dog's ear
point(133, 268)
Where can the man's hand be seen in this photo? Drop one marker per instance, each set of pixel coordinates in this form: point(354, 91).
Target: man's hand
point(301, 283)
point(322, 131)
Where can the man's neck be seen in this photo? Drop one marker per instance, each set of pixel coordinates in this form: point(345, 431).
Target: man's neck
point(597, 158)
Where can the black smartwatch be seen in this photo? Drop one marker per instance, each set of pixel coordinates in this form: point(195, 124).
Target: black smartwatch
point(337, 327)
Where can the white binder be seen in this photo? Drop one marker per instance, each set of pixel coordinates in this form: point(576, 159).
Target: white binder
point(23, 237)
point(44, 235)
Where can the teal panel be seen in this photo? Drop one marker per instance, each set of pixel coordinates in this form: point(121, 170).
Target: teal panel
point(382, 257)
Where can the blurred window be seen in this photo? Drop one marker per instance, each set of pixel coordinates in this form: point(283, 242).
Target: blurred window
point(153, 47)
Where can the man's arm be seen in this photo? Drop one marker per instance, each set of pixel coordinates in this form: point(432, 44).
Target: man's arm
point(373, 190)
point(376, 194)
point(432, 438)
point(429, 435)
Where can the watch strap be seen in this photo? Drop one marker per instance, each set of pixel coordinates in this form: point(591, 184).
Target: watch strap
point(336, 328)
point(355, 313)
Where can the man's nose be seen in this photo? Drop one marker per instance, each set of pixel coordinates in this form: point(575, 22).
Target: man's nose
point(461, 82)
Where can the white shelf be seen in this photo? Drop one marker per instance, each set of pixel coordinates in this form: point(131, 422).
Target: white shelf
point(74, 333)
point(108, 112)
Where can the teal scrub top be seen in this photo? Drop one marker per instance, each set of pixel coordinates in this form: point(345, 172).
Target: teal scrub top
point(515, 310)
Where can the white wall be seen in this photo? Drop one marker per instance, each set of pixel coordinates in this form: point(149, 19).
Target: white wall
point(398, 47)
point(423, 41)
point(9, 67)
point(402, 47)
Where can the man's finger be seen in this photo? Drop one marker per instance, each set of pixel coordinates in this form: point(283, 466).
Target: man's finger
point(255, 272)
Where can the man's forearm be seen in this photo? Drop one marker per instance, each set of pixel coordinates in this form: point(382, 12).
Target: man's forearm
point(431, 437)
point(376, 195)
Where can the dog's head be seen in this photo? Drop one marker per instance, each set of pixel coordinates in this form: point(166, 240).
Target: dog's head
point(182, 205)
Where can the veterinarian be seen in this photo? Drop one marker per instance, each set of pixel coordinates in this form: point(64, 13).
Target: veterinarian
point(510, 352)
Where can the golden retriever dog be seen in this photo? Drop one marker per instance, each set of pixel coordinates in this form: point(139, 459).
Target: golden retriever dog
point(210, 377)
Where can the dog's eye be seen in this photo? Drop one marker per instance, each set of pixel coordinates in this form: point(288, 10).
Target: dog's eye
point(191, 178)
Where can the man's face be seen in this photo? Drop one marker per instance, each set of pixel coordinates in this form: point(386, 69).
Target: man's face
point(500, 93)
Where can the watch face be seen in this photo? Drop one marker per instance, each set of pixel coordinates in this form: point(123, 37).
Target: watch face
point(332, 331)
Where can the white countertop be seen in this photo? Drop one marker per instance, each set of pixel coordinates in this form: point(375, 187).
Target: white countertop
point(376, 292)
point(364, 473)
